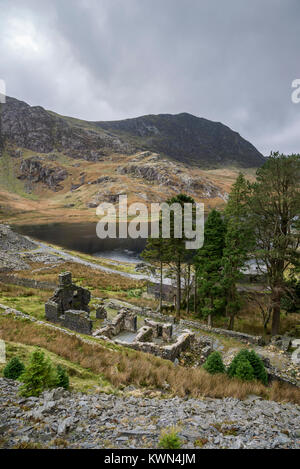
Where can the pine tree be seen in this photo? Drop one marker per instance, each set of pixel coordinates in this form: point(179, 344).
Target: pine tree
point(175, 248)
point(258, 367)
point(155, 252)
point(62, 380)
point(13, 369)
point(242, 355)
point(254, 360)
point(214, 363)
point(208, 262)
point(238, 242)
point(244, 371)
point(274, 208)
point(38, 375)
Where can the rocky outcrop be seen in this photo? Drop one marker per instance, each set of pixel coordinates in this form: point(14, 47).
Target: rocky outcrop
point(10, 241)
point(10, 244)
point(149, 173)
point(182, 137)
point(168, 174)
point(189, 139)
point(34, 171)
point(11, 261)
point(36, 129)
point(102, 197)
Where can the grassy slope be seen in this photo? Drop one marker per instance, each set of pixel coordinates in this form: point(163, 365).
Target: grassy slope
point(122, 367)
point(81, 379)
point(44, 205)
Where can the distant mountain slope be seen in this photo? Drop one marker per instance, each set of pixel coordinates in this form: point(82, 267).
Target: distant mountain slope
point(183, 137)
point(187, 138)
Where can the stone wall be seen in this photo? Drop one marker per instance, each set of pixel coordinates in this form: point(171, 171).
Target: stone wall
point(78, 321)
point(143, 343)
point(183, 342)
point(26, 282)
point(124, 321)
point(241, 336)
point(148, 313)
point(159, 329)
point(168, 291)
point(69, 296)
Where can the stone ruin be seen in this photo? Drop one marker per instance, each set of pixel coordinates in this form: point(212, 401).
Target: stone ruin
point(145, 340)
point(169, 347)
point(160, 330)
point(69, 306)
point(123, 322)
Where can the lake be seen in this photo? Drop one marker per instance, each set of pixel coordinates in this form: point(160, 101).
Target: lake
point(82, 237)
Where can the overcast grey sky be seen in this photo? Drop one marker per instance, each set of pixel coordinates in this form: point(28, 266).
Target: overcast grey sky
point(231, 61)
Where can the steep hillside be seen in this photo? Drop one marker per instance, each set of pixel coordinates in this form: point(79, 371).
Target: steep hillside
point(183, 137)
point(54, 167)
point(188, 139)
point(42, 131)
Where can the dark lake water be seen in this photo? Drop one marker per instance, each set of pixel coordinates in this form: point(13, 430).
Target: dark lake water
point(82, 237)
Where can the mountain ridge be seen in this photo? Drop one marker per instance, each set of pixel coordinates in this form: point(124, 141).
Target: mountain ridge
point(182, 137)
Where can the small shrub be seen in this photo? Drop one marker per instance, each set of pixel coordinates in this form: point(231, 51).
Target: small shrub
point(258, 367)
point(13, 369)
point(38, 375)
point(169, 439)
point(254, 360)
point(214, 364)
point(244, 371)
point(62, 378)
point(241, 356)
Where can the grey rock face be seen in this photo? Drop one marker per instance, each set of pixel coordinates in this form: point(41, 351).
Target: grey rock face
point(34, 171)
point(10, 241)
point(188, 138)
point(11, 261)
point(36, 129)
point(168, 174)
point(183, 137)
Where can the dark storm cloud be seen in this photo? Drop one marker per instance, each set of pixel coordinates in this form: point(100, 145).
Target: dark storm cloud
point(230, 61)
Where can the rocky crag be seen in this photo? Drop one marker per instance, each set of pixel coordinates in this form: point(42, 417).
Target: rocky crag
point(42, 131)
point(182, 137)
point(11, 243)
point(33, 171)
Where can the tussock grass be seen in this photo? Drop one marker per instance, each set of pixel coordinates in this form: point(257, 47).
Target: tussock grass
point(122, 367)
point(81, 379)
point(100, 283)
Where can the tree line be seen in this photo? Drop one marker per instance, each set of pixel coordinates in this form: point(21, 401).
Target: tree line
point(261, 223)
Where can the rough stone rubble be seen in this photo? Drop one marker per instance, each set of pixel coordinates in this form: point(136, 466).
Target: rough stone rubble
point(74, 420)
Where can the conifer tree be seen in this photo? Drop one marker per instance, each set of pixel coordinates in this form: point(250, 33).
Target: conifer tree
point(38, 375)
point(155, 252)
point(13, 369)
point(244, 371)
point(209, 267)
point(62, 378)
point(238, 242)
point(175, 248)
point(274, 208)
point(214, 363)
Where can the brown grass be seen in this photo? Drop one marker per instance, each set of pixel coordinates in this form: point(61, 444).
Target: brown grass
point(96, 279)
point(100, 283)
point(123, 366)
